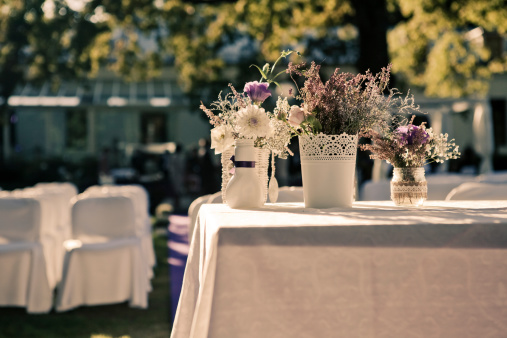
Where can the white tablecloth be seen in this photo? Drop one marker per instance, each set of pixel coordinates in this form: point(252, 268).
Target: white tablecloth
point(373, 270)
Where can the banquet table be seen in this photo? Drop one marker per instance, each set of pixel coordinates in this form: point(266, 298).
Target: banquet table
point(372, 270)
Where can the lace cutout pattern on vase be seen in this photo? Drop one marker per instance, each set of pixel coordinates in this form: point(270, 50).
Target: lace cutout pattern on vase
point(227, 167)
point(262, 165)
point(415, 187)
point(323, 147)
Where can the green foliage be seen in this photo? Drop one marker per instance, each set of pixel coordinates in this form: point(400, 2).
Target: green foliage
point(314, 124)
point(267, 71)
point(433, 47)
point(39, 43)
point(199, 31)
point(428, 44)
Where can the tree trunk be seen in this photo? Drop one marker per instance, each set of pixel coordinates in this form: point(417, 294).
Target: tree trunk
point(371, 20)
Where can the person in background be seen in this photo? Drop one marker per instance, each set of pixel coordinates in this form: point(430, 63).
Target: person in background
point(104, 162)
point(105, 167)
point(208, 171)
point(193, 172)
point(176, 167)
point(137, 162)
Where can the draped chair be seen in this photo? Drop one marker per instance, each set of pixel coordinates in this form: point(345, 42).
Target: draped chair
point(24, 277)
point(55, 205)
point(140, 200)
point(105, 262)
point(479, 191)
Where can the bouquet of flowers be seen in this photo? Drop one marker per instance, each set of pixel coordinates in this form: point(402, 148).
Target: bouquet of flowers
point(407, 145)
point(239, 115)
point(346, 103)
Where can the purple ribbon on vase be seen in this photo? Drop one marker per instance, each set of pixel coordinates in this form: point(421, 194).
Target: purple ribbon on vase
point(241, 164)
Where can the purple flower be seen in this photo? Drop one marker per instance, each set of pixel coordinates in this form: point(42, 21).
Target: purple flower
point(257, 92)
point(412, 134)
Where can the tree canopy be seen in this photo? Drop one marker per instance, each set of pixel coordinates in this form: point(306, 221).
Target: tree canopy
point(433, 44)
point(441, 46)
point(445, 46)
point(41, 40)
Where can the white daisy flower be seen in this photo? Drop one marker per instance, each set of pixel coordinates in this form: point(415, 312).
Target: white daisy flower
point(252, 122)
point(221, 138)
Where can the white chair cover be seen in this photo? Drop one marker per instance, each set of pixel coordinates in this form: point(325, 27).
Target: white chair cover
point(105, 261)
point(479, 191)
point(66, 188)
point(100, 218)
point(24, 275)
point(56, 227)
point(143, 220)
point(140, 200)
point(67, 191)
point(215, 198)
point(375, 190)
point(439, 185)
point(493, 177)
point(20, 219)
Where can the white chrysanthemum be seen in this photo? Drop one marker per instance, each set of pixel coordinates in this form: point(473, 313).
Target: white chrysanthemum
point(253, 122)
point(221, 138)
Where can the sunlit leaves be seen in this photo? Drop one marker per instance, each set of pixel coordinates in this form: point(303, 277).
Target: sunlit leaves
point(199, 31)
point(428, 45)
point(453, 69)
point(433, 48)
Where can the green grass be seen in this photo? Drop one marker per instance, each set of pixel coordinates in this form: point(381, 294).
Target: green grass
point(100, 321)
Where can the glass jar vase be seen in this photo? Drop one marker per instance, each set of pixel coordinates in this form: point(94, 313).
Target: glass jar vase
point(409, 187)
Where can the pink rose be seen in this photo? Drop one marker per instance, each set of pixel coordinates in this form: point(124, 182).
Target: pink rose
point(296, 116)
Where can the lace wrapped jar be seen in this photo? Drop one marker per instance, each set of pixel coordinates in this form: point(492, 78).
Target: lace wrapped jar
point(409, 187)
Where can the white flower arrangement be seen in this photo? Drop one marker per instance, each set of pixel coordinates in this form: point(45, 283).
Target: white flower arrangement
point(221, 138)
point(239, 115)
point(442, 149)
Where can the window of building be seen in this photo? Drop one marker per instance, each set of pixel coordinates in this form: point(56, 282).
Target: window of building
point(76, 129)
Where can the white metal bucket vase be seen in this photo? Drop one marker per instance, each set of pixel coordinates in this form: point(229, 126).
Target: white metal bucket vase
point(261, 166)
point(328, 165)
